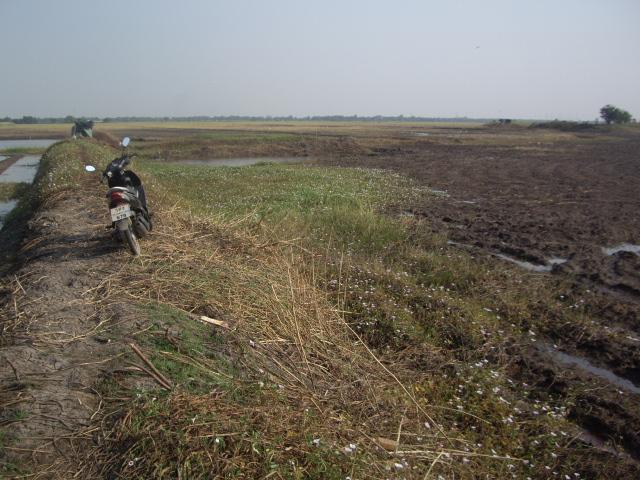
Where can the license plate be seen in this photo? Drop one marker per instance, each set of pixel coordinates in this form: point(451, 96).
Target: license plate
point(120, 212)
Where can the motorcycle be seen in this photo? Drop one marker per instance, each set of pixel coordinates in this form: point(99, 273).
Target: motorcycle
point(127, 200)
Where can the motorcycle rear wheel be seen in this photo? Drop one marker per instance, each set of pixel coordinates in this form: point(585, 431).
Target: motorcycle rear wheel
point(132, 241)
point(141, 227)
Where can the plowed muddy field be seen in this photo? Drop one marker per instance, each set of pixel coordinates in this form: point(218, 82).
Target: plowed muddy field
point(554, 213)
point(563, 205)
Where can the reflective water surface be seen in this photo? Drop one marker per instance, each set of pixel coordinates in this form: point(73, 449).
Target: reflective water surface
point(22, 171)
point(27, 143)
point(584, 364)
point(533, 267)
point(623, 247)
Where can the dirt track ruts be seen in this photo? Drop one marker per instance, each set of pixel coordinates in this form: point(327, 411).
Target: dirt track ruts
point(533, 201)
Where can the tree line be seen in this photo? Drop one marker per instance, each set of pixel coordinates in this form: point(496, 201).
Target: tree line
point(609, 113)
point(28, 119)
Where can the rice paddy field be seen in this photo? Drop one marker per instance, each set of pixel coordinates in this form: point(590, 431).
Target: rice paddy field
point(401, 301)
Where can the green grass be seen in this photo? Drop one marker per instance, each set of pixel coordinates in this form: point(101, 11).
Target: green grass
point(61, 167)
point(244, 137)
point(318, 204)
point(212, 435)
point(10, 468)
point(13, 190)
point(185, 350)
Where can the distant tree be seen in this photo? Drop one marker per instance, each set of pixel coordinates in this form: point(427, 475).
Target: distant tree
point(611, 114)
point(26, 119)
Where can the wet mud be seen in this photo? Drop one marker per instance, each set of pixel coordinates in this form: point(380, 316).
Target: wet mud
point(244, 162)
point(566, 209)
point(605, 412)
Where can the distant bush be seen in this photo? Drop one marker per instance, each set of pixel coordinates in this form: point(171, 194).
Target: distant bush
point(611, 114)
point(564, 125)
point(503, 122)
point(26, 120)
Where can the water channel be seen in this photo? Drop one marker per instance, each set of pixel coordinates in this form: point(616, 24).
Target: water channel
point(22, 171)
point(27, 143)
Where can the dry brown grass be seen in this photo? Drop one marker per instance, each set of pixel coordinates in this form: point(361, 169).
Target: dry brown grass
point(290, 344)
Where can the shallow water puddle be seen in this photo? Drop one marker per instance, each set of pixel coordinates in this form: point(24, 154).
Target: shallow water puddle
point(30, 143)
point(557, 260)
point(533, 267)
point(623, 247)
point(22, 171)
point(458, 244)
point(243, 162)
point(584, 364)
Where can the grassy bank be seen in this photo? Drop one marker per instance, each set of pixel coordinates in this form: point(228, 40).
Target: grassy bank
point(319, 206)
point(357, 344)
point(61, 168)
point(12, 191)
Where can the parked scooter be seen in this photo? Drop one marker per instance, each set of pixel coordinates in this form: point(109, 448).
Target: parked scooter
point(127, 201)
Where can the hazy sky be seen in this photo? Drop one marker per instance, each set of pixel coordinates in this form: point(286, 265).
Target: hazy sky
point(476, 58)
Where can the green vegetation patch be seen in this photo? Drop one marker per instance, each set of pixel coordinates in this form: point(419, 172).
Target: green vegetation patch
point(187, 350)
point(13, 190)
point(251, 137)
point(322, 205)
point(61, 167)
point(208, 436)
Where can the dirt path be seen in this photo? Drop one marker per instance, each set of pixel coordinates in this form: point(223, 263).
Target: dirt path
point(60, 332)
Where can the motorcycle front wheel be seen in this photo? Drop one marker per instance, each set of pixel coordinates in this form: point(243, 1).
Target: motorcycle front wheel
point(132, 241)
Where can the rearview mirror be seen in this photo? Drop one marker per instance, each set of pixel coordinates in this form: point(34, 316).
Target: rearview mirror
point(90, 168)
point(125, 141)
